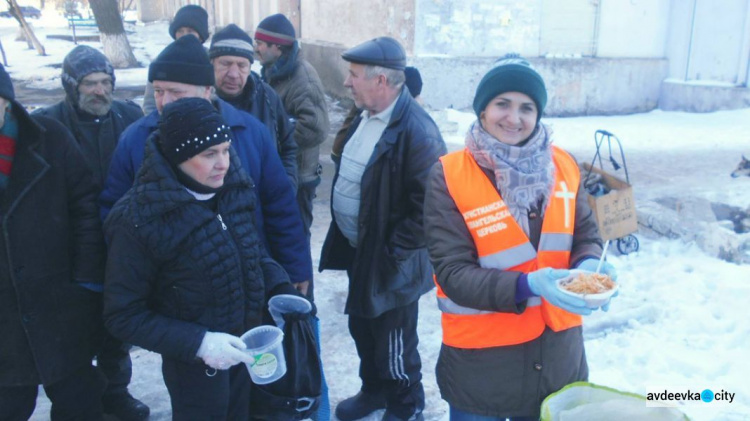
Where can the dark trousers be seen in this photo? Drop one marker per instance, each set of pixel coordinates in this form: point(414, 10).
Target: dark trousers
point(389, 360)
point(76, 397)
point(305, 197)
point(199, 394)
point(114, 362)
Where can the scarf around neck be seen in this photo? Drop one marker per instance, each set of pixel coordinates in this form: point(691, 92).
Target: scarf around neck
point(524, 174)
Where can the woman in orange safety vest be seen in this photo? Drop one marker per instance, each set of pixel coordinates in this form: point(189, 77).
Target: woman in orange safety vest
point(505, 218)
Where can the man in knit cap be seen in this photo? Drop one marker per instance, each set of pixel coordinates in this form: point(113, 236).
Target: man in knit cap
point(376, 234)
point(96, 121)
point(51, 252)
point(301, 91)
point(231, 54)
point(183, 70)
point(189, 20)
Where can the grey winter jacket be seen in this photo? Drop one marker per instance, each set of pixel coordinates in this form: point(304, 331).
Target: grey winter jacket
point(504, 381)
point(177, 268)
point(302, 93)
point(390, 267)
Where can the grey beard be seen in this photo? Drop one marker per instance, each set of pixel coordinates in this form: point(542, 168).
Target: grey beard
point(98, 109)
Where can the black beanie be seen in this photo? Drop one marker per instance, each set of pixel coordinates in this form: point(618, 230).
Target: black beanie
point(511, 73)
point(185, 61)
point(276, 29)
point(6, 86)
point(189, 126)
point(191, 16)
point(80, 62)
point(413, 81)
point(231, 41)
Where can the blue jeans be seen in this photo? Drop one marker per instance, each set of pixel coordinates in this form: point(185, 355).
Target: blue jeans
point(459, 415)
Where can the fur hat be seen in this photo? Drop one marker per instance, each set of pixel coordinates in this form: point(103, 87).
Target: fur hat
point(80, 62)
point(511, 73)
point(6, 86)
point(276, 29)
point(382, 51)
point(189, 126)
point(413, 81)
point(191, 16)
point(231, 41)
point(185, 61)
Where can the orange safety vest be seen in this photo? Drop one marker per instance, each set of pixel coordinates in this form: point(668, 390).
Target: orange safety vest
point(502, 244)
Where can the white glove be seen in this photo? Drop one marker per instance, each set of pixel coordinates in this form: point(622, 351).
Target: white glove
point(222, 350)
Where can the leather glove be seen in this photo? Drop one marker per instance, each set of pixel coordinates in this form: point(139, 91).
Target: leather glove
point(543, 282)
point(590, 265)
point(221, 351)
point(607, 268)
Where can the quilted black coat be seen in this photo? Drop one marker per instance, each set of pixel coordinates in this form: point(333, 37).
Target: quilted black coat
point(176, 268)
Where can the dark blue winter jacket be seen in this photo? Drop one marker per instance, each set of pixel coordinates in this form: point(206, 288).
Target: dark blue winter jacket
point(277, 218)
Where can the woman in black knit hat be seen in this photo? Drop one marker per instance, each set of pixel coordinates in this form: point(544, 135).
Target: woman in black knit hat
point(187, 273)
point(505, 218)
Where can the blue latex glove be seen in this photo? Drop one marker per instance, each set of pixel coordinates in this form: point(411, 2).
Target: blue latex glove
point(590, 265)
point(543, 283)
point(607, 268)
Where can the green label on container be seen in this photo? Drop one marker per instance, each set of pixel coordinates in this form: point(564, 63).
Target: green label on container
point(264, 365)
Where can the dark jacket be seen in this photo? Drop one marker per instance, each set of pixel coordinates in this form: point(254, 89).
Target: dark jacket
point(177, 268)
point(260, 100)
point(389, 267)
point(301, 91)
point(510, 380)
point(51, 242)
point(98, 153)
point(277, 216)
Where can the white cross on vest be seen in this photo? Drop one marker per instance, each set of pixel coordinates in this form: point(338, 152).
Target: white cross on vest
point(566, 195)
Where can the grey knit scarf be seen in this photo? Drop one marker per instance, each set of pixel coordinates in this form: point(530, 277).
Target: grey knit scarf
point(524, 174)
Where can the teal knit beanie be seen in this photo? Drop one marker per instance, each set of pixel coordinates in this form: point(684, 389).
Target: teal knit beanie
point(511, 73)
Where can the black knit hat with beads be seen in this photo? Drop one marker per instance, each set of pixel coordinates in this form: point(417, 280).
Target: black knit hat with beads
point(189, 126)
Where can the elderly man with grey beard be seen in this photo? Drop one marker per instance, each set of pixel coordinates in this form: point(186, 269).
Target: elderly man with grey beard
point(96, 120)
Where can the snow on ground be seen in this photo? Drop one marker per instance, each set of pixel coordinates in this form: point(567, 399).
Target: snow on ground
point(681, 319)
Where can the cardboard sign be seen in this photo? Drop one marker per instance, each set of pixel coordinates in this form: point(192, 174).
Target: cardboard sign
point(614, 211)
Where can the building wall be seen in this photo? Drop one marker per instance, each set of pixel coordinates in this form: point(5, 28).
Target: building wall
point(350, 23)
point(633, 28)
point(476, 27)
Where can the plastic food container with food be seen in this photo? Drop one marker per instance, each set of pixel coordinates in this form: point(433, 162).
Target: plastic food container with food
point(593, 300)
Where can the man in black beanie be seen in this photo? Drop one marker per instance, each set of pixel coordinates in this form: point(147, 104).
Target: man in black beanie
point(183, 70)
point(51, 256)
point(376, 232)
point(231, 54)
point(301, 91)
point(189, 20)
point(96, 121)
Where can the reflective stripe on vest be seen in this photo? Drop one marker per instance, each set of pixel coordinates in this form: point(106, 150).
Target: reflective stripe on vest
point(502, 244)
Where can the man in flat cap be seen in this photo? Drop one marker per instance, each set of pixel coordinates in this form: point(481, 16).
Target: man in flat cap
point(376, 233)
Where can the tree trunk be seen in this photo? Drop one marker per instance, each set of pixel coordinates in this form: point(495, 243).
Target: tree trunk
point(112, 33)
point(30, 37)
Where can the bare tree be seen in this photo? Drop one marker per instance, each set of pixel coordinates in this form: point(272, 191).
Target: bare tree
point(112, 33)
point(30, 37)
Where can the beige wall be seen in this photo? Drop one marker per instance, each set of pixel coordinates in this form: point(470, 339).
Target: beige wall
point(350, 23)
